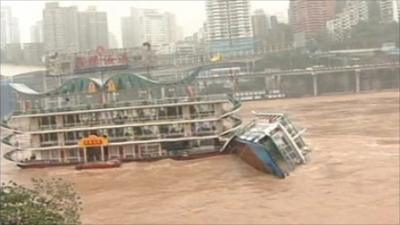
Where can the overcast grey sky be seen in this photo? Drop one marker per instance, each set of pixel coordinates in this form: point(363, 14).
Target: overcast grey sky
point(189, 14)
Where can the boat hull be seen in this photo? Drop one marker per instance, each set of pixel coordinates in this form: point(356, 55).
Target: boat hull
point(43, 164)
point(99, 165)
point(256, 156)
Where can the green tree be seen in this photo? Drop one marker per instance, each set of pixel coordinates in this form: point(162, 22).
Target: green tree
point(371, 34)
point(324, 41)
point(47, 202)
point(374, 13)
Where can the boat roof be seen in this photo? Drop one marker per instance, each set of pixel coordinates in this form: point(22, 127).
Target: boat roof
point(23, 89)
point(123, 80)
point(258, 131)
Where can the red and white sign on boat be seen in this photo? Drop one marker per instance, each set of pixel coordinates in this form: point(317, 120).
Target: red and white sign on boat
point(101, 58)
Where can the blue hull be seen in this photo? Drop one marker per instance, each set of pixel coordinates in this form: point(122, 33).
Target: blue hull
point(258, 157)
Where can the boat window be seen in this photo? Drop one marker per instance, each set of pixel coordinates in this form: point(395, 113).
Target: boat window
point(54, 154)
point(205, 108)
point(270, 146)
point(73, 153)
point(44, 121)
point(162, 112)
point(68, 119)
point(77, 119)
point(84, 117)
point(45, 155)
point(52, 120)
point(137, 131)
point(69, 136)
point(172, 111)
point(80, 134)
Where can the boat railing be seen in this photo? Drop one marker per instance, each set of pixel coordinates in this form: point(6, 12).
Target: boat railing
point(48, 143)
point(146, 136)
point(204, 133)
point(48, 127)
point(4, 123)
point(155, 153)
point(122, 104)
point(200, 115)
point(140, 137)
point(125, 120)
point(236, 125)
point(72, 159)
point(173, 135)
point(120, 138)
point(7, 140)
point(71, 142)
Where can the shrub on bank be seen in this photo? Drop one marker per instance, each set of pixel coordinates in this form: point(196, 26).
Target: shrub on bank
point(47, 202)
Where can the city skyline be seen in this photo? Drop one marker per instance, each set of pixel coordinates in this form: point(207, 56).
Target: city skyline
point(29, 12)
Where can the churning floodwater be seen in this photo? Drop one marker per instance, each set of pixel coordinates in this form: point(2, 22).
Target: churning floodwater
point(353, 176)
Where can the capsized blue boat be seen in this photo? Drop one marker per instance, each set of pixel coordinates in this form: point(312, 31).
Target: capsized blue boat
point(271, 143)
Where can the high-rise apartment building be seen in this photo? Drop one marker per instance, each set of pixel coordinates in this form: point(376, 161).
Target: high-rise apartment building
point(92, 29)
point(65, 29)
point(200, 40)
point(269, 34)
point(112, 41)
point(387, 10)
point(173, 29)
point(13, 53)
point(130, 38)
point(148, 25)
point(14, 31)
point(33, 53)
point(9, 27)
point(179, 33)
point(260, 25)
point(60, 28)
point(398, 10)
point(352, 13)
point(273, 22)
point(229, 26)
point(308, 18)
point(37, 32)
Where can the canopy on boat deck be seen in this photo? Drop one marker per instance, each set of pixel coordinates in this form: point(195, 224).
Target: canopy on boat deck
point(91, 85)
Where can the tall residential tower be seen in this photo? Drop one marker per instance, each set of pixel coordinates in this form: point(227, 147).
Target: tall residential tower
point(352, 13)
point(93, 29)
point(308, 18)
point(9, 27)
point(261, 24)
point(37, 32)
point(60, 28)
point(229, 27)
point(148, 25)
point(65, 29)
point(387, 10)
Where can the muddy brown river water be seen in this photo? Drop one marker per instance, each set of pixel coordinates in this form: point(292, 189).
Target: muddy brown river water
point(353, 176)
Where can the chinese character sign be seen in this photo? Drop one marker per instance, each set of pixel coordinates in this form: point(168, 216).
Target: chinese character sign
point(100, 59)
